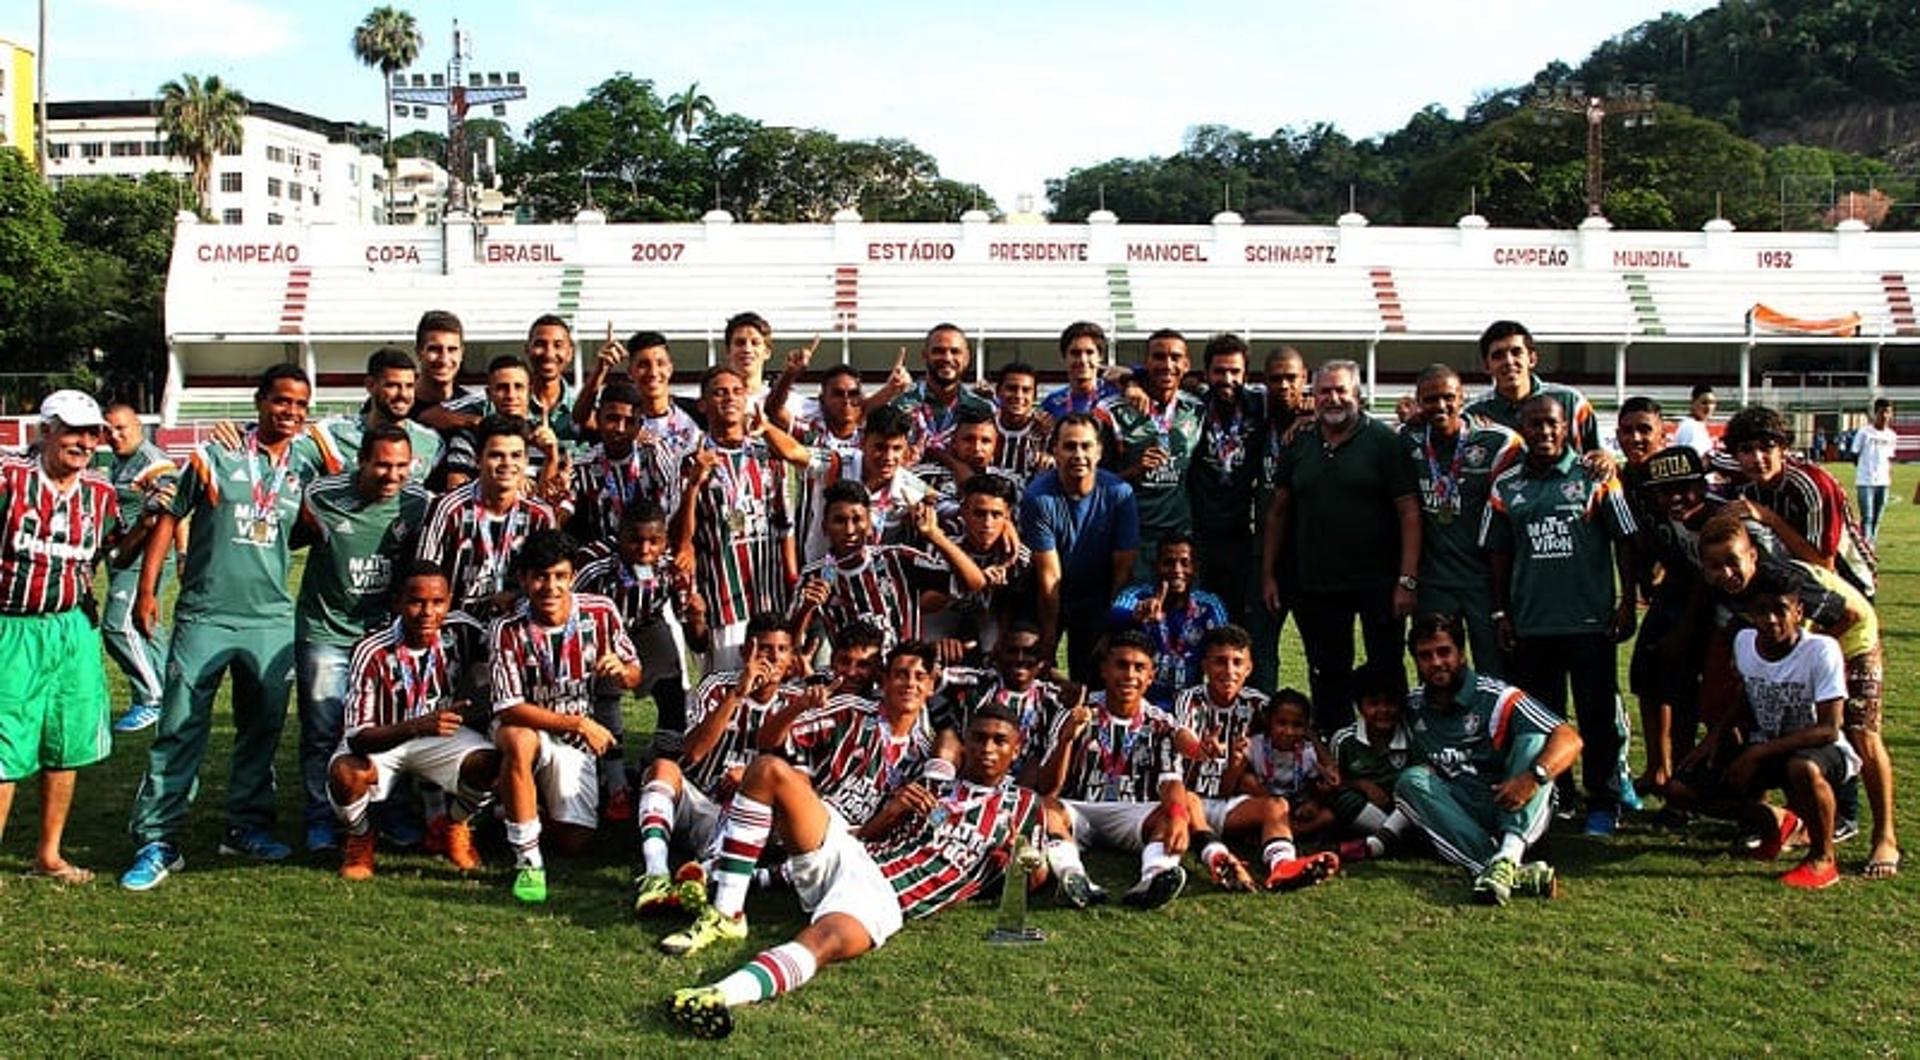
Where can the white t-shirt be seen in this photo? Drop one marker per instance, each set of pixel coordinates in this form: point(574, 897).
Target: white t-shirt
point(1785, 693)
point(1873, 455)
point(1694, 435)
point(1282, 771)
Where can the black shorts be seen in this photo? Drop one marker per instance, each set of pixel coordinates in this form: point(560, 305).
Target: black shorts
point(1831, 759)
point(1651, 676)
point(1708, 783)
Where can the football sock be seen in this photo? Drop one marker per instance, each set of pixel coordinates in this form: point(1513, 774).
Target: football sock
point(1376, 847)
point(744, 836)
point(1208, 845)
point(1396, 824)
point(1154, 858)
point(1512, 848)
point(1277, 851)
point(656, 826)
point(525, 841)
point(460, 805)
point(780, 970)
point(353, 816)
point(1370, 819)
point(433, 801)
point(1063, 856)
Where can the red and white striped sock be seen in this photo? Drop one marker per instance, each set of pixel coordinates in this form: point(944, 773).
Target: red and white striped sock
point(744, 836)
point(780, 970)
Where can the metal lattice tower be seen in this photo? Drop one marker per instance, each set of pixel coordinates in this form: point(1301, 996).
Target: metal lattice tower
point(458, 90)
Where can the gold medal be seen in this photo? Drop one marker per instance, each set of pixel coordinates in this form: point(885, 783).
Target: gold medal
point(737, 520)
point(262, 532)
point(1444, 517)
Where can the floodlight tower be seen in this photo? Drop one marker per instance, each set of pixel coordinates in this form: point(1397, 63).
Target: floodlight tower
point(457, 90)
point(1634, 102)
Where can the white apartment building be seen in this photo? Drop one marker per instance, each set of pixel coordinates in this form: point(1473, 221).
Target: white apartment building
point(420, 196)
point(291, 168)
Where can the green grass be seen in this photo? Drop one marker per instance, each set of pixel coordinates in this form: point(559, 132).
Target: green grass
point(1659, 946)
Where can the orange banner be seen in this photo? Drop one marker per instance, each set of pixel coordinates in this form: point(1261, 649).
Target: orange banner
point(1772, 320)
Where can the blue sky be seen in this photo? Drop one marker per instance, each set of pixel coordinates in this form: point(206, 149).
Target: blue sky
point(1002, 93)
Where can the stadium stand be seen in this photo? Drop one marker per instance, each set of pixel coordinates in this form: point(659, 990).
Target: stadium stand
point(1656, 311)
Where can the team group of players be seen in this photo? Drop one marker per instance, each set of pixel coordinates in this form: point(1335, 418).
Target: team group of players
point(877, 586)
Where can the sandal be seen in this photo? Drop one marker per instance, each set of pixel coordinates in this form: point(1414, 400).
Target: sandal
point(1881, 869)
point(68, 873)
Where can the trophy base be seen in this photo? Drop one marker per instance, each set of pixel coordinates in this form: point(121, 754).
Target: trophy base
point(1026, 936)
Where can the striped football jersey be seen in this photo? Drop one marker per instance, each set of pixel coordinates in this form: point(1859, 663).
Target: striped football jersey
point(643, 594)
point(474, 546)
point(856, 762)
point(1195, 709)
point(552, 668)
point(882, 587)
point(739, 742)
point(389, 683)
point(1117, 759)
point(740, 520)
point(604, 488)
point(963, 689)
point(964, 845)
point(51, 537)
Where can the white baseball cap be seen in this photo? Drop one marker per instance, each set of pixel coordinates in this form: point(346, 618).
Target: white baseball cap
point(72, 408)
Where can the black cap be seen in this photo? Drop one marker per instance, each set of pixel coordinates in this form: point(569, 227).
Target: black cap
point(1676, 465)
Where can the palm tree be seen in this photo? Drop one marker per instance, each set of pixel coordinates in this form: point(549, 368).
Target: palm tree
point(389, 40)
point(685, 110)
point(200, 120)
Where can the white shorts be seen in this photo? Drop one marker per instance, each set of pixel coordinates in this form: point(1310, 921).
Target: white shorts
point(724, 650)
point(697, 819)
point(841, 877)
point(1217, 811)
point(432, 758)
point(1113, 825)
point(568, 780)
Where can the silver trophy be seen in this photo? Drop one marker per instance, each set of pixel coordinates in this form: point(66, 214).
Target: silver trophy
point(1011, 929)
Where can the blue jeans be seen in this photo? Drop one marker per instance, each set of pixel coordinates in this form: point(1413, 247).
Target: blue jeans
point(322, 672)
point(1873, 501)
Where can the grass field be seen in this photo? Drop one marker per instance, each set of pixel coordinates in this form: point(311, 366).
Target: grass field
point(1659, 946)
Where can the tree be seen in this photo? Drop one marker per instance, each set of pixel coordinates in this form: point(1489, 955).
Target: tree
point(120, 234)
point(1526, 173)
point(200, 120)
point(686, 110)
point(36, 279)
point(389, 40)
point(422, 143)
point(1289, 177)
point(616, 149)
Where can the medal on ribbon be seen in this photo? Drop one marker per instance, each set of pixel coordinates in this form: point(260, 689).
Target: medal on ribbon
point(1446, 485)
point(415, 682)
point(552, 662)
point(1225, 441)
point(266, 495)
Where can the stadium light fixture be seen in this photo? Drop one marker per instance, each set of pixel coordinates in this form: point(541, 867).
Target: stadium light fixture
point(458, 90)
point(1633, 103)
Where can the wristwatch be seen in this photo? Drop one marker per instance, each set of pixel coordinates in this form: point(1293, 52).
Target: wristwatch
point(1540, 775)
point(1409, 582)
